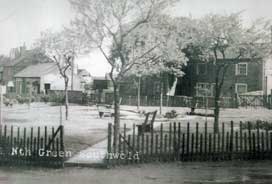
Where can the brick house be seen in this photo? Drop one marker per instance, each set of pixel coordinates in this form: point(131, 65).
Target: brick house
point(242, 76)
point(19, 59)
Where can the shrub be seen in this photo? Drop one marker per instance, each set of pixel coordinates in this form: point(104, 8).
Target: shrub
point(23, 99)
point(45, 98)
point(170, 115)
point(262, 125)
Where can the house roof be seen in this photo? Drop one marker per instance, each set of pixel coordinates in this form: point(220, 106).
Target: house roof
point(83, 72)
point(30, 56)
point(4, 60)
point(37, 70)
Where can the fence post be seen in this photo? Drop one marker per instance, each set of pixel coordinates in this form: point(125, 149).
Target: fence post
point(197, 137)
point(11, 136)
point(262, 146)
point(210, 147)
point(175, 141)
point(241, 139)
point(188, 141)
point(205, 140)
point(161, 141)
point(223, 141)
point(179, 140)
point(151, 142)
point(249, 140)
point(142, 147)
point(245, 147)
point(61, 137)
point(267, 139)
point(231, 139)
point(38, 140)
point(133, 138)
point(170, 141)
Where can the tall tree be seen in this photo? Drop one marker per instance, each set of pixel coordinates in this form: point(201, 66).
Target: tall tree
point(166, 59)
point(105, 25)
point(61, 48)
point(224, 40)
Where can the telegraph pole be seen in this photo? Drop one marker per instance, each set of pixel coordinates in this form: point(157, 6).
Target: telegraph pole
point(1, 104)
point(72, 82)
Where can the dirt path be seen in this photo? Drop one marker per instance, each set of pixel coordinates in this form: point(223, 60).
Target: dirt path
point(174, 173)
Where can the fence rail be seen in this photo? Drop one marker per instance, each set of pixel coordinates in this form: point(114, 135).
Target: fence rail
point(255, 101)
point(174, 101)
point(31, 146)
point(173, 142)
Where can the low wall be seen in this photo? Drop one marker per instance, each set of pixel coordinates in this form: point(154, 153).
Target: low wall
point(73, 96)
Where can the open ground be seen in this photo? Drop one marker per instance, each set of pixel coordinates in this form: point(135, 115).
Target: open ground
point(85, 128)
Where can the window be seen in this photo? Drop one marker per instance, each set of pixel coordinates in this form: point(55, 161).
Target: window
point(240, 88)
point(204, 89)
point(201, 69)
point(241, 69)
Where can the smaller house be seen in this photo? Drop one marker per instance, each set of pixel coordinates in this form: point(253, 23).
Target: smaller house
point(85, 78)
point(40, 78)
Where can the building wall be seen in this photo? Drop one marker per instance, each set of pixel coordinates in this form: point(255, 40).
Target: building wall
point(38, 84)
point(56, 82)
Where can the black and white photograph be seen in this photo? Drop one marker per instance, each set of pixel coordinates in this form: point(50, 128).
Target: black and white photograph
point(135, 92)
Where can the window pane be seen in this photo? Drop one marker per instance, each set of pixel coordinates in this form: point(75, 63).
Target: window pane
point(242, 69)
point(241, 88)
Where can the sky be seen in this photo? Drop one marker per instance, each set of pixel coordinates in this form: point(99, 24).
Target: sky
point(21, 21)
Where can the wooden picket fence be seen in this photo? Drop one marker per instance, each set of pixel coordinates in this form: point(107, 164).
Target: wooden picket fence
point(31, 146)
point(175, 142)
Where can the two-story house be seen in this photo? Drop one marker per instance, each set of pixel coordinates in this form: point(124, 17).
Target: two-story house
point(242, 76)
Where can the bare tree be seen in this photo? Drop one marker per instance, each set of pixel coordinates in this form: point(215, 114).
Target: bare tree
point(106, 24)
point(60, 48)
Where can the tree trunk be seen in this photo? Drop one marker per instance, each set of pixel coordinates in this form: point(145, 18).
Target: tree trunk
point(116, 116)
point(66, 99)
point(139, 94)
point(216, 112)
point(161, 93)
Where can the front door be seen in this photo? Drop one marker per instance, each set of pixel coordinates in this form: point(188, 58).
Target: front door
point(46, 87)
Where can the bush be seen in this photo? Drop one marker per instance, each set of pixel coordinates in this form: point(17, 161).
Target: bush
point(170, 115)
point(24, 99)
point(262, 125)
point(45, 98)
